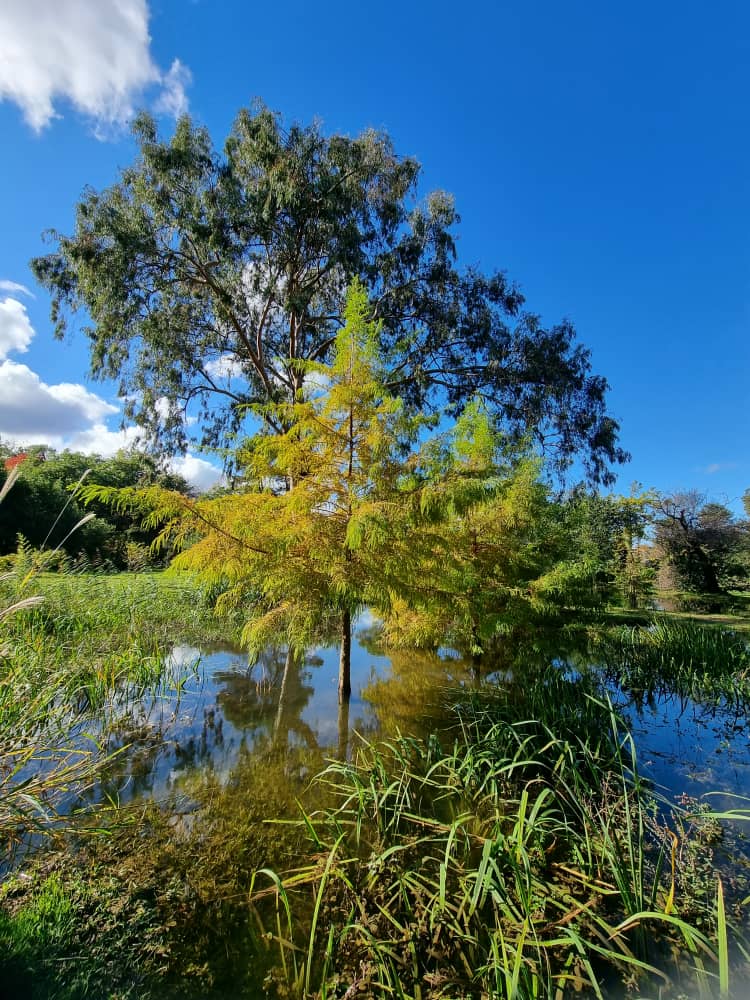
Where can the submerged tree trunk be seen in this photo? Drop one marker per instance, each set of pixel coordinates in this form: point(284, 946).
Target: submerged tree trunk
point(476, 655)
point(343, 720)
point(345, 657)
point(282, 712)
point(476, 668)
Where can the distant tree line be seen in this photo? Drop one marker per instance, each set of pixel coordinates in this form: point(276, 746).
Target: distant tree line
point(704, 545)
point(634, 545)
point(43, 509)
point(649, 541)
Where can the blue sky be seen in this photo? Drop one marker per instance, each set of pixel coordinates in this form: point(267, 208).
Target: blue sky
point(598, 153)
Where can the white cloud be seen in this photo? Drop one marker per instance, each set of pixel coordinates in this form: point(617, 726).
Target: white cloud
point(30, 408)
point(317, 384)
point(14, 288)
point(93, 53)
point(100, 440)
point(16, 331)
point(173, 99)
point(225, 366)
point(67, 415)
point(714, 467)
point(198, 472)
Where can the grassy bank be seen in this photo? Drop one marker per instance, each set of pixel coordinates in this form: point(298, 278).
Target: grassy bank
point(730, 611)
point(71, 665)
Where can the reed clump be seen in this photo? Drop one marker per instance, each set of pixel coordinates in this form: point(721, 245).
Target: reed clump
point(526, 858)
point(702, 662)
point(79, 653)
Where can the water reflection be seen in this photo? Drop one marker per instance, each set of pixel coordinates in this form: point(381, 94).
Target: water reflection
point(229, 709)
point(687, 748)
point(287, 706)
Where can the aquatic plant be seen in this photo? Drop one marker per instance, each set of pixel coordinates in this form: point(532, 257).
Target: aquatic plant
point(702, 662)
point(524, 860)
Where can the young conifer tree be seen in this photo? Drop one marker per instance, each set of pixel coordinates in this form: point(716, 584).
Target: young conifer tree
point(324, 530)
point(497, 556)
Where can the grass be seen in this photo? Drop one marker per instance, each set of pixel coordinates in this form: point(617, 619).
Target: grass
point(525, 859)
point(96, 635)
point(728, 611)
point(75, 937)
point(681, 657)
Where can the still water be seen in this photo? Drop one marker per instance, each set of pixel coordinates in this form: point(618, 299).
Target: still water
point(225, 710)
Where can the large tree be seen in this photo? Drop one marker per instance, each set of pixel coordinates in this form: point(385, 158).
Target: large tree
point(207, 277)
point(703, 542)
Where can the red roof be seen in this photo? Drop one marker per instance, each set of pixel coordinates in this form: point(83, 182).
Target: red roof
point(14, 460)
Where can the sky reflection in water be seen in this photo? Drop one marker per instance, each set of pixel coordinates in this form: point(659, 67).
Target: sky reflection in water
point(228, 709)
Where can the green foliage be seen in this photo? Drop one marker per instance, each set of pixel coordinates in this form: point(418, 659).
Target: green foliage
point(704, 544)
point(451, 540)
point(326, 529)
point(71, 939)
point(214, 279)
point(492, 551)
point(612, 530)
point(45, 505)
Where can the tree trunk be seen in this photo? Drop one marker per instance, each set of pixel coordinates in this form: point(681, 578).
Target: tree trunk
point(282, 711)
point(476, 657)
point(345, 657)
point(343, 721)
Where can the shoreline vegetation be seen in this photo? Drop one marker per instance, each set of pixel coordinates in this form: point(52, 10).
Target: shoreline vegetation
point(513, 849)
point(399, 432)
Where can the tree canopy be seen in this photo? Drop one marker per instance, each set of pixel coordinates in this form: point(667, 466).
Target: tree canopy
point(44, 507)
point(703, 542)
point(209, 277)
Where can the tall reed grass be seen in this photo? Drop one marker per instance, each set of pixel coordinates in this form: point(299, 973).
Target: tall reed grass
point(75, 653)
point(701, 662)
point(527, 858)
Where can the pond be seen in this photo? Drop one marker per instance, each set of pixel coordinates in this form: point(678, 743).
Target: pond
point(225, 709)
point(211, 777)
